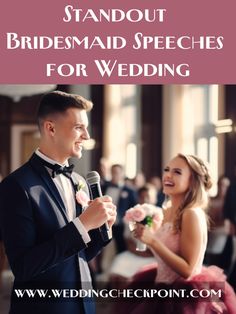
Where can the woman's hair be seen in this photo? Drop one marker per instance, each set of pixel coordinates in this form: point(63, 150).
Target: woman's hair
point(200, 183)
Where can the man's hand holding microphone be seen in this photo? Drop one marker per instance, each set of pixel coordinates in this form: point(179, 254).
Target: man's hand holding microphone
point(101, 212)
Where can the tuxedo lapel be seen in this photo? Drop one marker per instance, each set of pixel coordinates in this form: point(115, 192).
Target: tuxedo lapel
point(38, 166)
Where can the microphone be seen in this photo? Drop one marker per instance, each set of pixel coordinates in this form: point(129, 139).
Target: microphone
point(93, 180)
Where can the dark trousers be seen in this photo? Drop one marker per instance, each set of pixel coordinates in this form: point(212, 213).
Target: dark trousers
point(118, 236)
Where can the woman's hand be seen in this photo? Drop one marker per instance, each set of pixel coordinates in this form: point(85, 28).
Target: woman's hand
point(143, 233)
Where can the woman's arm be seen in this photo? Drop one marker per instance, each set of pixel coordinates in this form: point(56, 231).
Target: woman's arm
point(191, 240)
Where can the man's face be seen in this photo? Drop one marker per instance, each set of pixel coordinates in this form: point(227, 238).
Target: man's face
point(117, 175)
point(70, 132)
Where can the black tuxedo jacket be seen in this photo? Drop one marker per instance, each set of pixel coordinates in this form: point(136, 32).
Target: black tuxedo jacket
point(230, 203)
point(41, 245)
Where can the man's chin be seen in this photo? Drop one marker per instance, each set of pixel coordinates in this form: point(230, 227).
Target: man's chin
point(77, 154)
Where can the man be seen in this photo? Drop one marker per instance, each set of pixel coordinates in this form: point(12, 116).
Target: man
point(124, 197)
point(47, 235)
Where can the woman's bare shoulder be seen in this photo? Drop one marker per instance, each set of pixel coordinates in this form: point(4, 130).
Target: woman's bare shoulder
point(194, 214)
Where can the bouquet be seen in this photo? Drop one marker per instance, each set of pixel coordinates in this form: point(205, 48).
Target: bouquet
point(145, 214)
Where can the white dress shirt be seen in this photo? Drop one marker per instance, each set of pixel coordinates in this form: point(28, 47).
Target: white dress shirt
point(67, 194)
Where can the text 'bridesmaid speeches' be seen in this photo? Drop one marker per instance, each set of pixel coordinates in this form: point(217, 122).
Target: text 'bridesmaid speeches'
point(117, 42)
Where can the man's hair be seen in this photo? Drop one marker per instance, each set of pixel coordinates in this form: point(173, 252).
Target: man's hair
point(58, 102)
point(117, 166)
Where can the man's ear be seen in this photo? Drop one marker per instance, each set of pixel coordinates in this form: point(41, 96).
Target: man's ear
point(49, 127)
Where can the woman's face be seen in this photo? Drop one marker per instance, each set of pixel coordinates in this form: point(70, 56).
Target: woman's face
point(176, 177)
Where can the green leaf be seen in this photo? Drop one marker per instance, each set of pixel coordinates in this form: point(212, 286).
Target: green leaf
point(147, 221)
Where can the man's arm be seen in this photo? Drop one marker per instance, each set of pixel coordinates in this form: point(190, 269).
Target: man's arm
point(27, 256)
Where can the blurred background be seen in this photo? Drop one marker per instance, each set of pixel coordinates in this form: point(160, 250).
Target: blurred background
point(139, 128)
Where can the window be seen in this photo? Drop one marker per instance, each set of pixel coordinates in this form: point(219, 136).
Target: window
point(204, 103)
point(122, 126)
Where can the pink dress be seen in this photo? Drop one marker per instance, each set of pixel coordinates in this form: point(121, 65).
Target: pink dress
point(172, 240)
point(204, 278)
point(166, 235)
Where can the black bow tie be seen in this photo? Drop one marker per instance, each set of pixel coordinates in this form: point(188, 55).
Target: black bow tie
point(57, 169)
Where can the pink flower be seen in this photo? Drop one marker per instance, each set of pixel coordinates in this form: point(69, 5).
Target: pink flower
point(158, 217)
point(145, 213)
point(136, 213)
point(128, 216)
point(82, 198)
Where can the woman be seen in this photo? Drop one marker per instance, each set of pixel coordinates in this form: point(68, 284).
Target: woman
point(180, 243)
